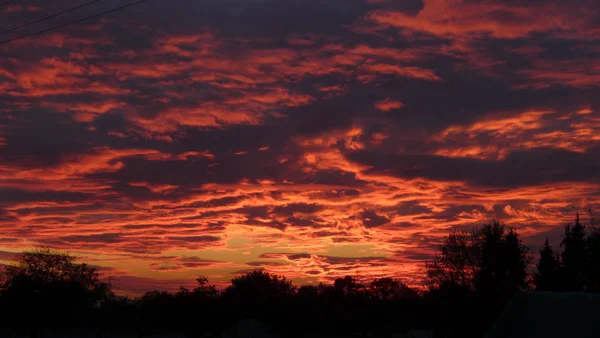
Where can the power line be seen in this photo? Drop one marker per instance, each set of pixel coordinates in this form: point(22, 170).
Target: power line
point(6, 2)
point(71, 23)
point(48, 17)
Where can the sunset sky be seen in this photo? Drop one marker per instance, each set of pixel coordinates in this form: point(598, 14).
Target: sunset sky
point(311, 138)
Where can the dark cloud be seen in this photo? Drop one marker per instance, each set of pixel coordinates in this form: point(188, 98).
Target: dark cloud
point(217, 202)
point(39, 137)
point(97, 238)
point(298, 256)
point(194, 239)
point(5, 216)
point(302, 208)
point(412, 207)
point(266, 263)
point(336, 193)
point(196, 261)
point(314, 222)
point(520, 168)
point(258, 18)
point(370, 218)
point(11, 195)
point(184, 125)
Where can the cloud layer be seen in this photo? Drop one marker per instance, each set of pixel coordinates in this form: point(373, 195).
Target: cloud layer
point(311, 138)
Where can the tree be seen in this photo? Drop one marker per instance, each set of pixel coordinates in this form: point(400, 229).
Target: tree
point(50, 289)
point(158, 298)
point(308, 293)
point(488, 246)
point(158, 308)
point(204, 290)
point(489, 260)
point(456, 263)
point(259, 295)
point(574, 257)
point(391, 289)
point(502, 260)
point(592, 275)
point(474, 275)
point(42, 273)
point(348, 286)
point(258, 287)
point(547, 275)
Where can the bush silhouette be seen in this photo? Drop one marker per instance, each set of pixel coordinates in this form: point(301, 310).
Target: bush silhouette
point(468, 282)
point(49, 287)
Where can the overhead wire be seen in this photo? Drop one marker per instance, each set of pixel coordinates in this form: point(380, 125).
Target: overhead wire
point(72, 22)
point(6, 2)
point(48, 17)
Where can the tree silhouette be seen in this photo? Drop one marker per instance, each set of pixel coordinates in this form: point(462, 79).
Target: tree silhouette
point(45, 272)
point(181, 310)
point(348, 286)
point(469, 282)
point(455, 264)
point(592, 274)
point(204, 290)
point(480, 270)
point(49, 288)
point(307, 293)
point(258, 287)
point(547, 276)
point(501, 259)
point(574, 257)
point(489, 260)
point(391, 289)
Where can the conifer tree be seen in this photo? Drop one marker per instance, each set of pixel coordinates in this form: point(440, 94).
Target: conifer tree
point(546, 277)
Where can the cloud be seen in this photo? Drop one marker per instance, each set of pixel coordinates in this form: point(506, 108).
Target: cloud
point(195, 239)
point(370, 218)
point(496, 135)
point(297, 208)
point(519, 168)
point(388, 104)
point(312, 139)
point(98, 238)
point(12, 195)
point(496, 18)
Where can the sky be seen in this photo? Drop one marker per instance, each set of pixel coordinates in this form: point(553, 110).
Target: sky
point(310, 138)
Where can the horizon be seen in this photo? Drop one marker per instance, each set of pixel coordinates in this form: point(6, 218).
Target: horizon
point(311, 139)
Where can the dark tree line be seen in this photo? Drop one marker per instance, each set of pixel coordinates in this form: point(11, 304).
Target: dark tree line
point(468, 283)
point(575, 266)
point(47, 288)
point(476, 273)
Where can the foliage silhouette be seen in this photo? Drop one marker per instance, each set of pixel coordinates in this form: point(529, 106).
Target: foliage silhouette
point(468, 283)
point(258, 287)
point(391, 289)
point(547, 276)
point(455, 264)
point(488, 260)
point(50, 287)
point(485, 267)
point(574, 256)
point(592, 273)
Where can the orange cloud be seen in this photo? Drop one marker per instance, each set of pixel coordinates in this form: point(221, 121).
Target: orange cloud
point(202, 153)
point(458, 18)
point(576, 73)
point(533, 129)
point(388, 104)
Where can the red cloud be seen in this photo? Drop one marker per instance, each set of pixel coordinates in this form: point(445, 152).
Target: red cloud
point(460, 18)
point(169, 155)
point(388, 104)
